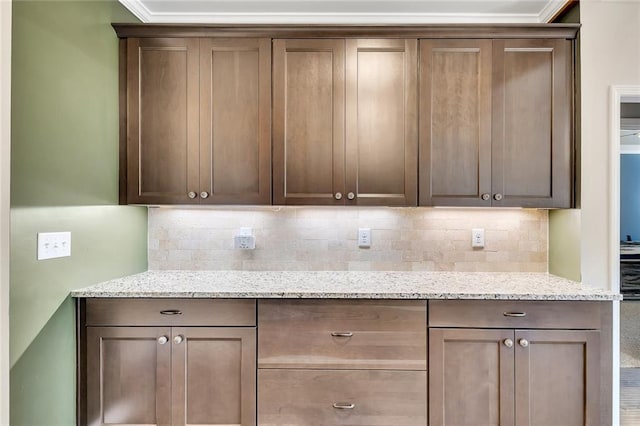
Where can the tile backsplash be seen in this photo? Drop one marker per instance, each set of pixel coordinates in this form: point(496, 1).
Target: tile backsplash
point(325, 238)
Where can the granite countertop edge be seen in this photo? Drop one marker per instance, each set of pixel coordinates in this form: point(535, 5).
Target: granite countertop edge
point(345, 285)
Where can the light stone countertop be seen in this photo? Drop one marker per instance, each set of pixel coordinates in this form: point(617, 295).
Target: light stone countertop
point(346, 285)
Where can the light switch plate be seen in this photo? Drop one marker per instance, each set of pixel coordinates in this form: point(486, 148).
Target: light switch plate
point(54, 244)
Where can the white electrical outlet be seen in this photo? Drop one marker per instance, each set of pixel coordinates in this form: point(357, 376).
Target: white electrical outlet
point(477, 237)
point(244, 240)
point(364, 237)
point(54, 244)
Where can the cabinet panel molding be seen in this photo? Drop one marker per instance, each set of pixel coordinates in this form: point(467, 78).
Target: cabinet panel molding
point(471, 377)
point(162, 133)
point(455, 122)
point(214, 376)
point(235, 121)
point(308, 121)
point(532, 115)
point(557, 377)
point(381, 120)
point(128, 376)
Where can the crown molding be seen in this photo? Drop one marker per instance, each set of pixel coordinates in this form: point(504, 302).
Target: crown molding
point(551, 10)
point(138, 8)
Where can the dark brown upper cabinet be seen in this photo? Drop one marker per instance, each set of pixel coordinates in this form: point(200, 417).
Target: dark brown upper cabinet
point(345, 122)
point(198, 121)
point(476, 115)
point(495, 125)
point(308, 122)
point(532, 115)
point(455, 122)
point(162, 120)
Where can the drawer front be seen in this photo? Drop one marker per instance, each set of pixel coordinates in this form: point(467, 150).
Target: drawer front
point(171, 312)
point(363, 397)
point(338, 334)
point(514, 314)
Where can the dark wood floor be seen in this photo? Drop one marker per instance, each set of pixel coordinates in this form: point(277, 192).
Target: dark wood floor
point(630, 396)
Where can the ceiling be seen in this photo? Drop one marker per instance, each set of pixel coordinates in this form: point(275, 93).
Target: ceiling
point(344, 11)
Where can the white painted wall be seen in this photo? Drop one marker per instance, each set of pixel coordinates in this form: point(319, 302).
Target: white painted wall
point(610, 56)
point(610, 50)
point(5, 157)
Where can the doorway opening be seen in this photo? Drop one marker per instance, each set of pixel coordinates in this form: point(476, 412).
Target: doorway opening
point(626, 267)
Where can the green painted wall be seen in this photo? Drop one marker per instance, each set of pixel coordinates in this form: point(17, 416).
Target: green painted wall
point(64, 177)
point(564, 243)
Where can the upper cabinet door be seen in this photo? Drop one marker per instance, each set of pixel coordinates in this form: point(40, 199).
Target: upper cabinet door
point(382, 122)
point(162, 110)
point(532, 115)
point(455, 122)
point(235, 121)
point(308, 122)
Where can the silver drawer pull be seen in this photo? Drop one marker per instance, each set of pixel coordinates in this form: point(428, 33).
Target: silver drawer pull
point(515, 314)
point(344, 405)
point(342, 334)
point(171, 312)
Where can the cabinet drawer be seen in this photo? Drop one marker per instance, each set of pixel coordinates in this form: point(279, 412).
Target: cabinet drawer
point(171, 312)
point(514, 314)
point(339, 334)
point(307, 397)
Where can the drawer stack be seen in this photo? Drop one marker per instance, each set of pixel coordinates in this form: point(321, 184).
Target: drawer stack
point(342, 362)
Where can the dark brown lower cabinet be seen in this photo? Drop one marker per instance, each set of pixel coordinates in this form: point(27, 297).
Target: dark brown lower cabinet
point(171, 375)
point(514, 377)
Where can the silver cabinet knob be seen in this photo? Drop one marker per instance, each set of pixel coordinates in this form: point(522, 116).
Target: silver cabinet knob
point(508, 343)
point(523, 342)
point(351, 195)
point(163, 339)
point(497, 197)
point(192, 195)
point(344, 405)
point(178, 339)
point(204, 194)
point(485, 197)
point(338, 195)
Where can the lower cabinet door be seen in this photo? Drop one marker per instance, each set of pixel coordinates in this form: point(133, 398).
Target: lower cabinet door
point(557, 377)
point(214, 376)
point(128, 376)
point(342, 397)
point(471, 377)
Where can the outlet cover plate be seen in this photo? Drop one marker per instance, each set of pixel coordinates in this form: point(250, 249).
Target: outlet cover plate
point(364, 237)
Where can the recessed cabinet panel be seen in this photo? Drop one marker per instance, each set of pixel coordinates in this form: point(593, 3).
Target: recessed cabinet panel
point(471, 376)
point(308, 121)
point(557, 376)
point(455, 122)
point(214, 380)
point(162, 79)
point(128, 376)
point(531, 124)
point(382, 121)
point(235, 113)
